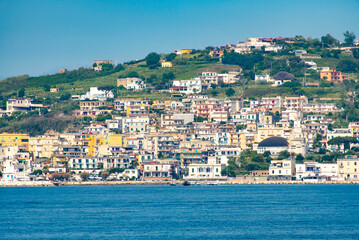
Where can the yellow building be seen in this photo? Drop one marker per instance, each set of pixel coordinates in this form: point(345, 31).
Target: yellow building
point(332, 76)
point(14, 139)
point(90, 141)
point(247, 140)
point(348, 168)
point(44, 146)
point(56, 159)
point(186, 51)
point(118, 140)
point(137, 109)
point(354, 128)
point(166, 64)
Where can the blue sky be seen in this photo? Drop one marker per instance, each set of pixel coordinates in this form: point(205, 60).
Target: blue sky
point(41, 36)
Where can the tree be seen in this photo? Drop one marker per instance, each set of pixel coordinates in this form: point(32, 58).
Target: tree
point(299, 158)
point(133, 74)
point(47, 88)
point(349, 38)
point(116, 170)
point(85, 176)
point(317, 141)
point(171, 56)
point(106, 67)
point(266, 154)
point(66, 96)
point(168, 76)
point(119, 67)
point(230, 92)
point(328, 40)
point(343, 140)
point(283, 76)
point(283, 154)
point(160, 155)
point(153, 60)
point(37, 172)
point(104, 175)
point(21, 93)
point(60, 176)
point(355, 53)
point(229, 171)
point(347, 66)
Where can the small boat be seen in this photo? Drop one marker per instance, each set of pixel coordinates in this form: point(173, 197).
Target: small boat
point(186, 183)
point(198, 184)
point(213, 183)
point(56, 184)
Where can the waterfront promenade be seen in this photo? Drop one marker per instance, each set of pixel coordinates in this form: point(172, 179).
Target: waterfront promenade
point(180, 182)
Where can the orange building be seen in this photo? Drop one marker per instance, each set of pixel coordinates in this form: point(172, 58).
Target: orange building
point(216, 53)
point(332, 76)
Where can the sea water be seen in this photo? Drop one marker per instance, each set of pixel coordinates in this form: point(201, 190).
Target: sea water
point(180, 212)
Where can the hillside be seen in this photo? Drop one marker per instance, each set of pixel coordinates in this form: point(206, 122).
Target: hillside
point(185, 66)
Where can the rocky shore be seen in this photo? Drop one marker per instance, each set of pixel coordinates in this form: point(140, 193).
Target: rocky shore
point(229, 182)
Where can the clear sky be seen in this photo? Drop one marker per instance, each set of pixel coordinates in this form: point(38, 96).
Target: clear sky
point(41, 36)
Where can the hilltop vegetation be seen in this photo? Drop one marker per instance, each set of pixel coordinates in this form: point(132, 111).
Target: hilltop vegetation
point(187, 66)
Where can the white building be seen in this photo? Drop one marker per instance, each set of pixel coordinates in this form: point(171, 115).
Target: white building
point(95, 94)
point(228, 78)
point(313, 171)
point(131, 174)
point(198, 171)
point(187, 86)
point(281, 170)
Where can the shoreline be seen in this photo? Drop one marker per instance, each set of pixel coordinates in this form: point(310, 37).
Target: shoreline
point(177, 183)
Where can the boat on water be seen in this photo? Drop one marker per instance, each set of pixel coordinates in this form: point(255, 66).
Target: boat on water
point(213, 183)
point(186, 183)
point(56, 184)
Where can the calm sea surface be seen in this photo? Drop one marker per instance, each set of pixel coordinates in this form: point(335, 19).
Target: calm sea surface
point(179, 212)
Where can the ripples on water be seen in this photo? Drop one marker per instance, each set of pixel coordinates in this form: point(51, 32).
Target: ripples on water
point(178, 212)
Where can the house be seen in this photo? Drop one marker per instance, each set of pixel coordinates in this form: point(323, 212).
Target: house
point(265, 78)
point(97, 65)
point(86, 163)
point(92, 105)
point(119, 161)
point(197, 171)
point(219, 115)
point(228, 78)
point(131, 83)
point(313, 171)
point(348, 168)
point(299, 53)
point(312, 65)
point(216, 53)
point(62, 70)
point(54, 90)
point(183, 51)
point(332, 76)
point(186, 86)
point(131, 174)
point(96, 94)
point(320, 108)
point(157, 171)
point(122, 103)
point(166, 64)
point(281, 170)
point(274, 145)
point(295, 103)
point(23, 105)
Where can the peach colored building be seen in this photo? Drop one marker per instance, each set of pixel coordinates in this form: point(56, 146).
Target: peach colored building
point(332, 76)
